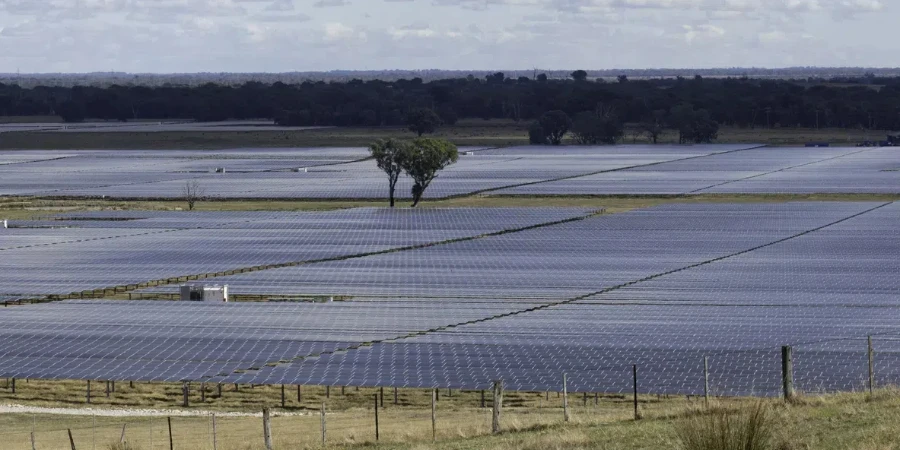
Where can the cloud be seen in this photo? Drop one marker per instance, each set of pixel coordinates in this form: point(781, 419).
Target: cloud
point(266, 35)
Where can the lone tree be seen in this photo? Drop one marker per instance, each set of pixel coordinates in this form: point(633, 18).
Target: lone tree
point(694, 126)
point(600, 126)
point(654, 125)
point(422, 159)
point(579, 75)
point(555, 125)
point(192, 193)
point(389, 156)
point(422, 120)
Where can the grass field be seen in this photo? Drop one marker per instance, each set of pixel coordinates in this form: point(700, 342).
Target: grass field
point(493, 133)
point(530, 420)
point(26, 208)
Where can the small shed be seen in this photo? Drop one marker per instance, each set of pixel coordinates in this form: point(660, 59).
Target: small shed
point(203, 293)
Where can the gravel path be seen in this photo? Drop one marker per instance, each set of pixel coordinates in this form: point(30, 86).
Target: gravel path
point(103, 412)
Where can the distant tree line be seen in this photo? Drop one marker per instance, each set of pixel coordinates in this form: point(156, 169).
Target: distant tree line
point(595, 107)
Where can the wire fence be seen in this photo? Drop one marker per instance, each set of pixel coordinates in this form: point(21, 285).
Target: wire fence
point(832, 365)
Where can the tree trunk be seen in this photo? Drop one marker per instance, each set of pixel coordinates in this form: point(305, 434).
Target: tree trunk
point(392, 194)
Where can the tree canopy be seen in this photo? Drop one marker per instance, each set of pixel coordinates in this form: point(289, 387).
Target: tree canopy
point(422, 120)
point(388, 155)
point(423, 158)
point(845, 102)
point(555, 124)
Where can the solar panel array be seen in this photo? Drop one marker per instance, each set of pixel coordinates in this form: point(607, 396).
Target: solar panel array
point(819, 276)
point(761, 170)
point(561, 261)
point(305, 173)
point(87, 251)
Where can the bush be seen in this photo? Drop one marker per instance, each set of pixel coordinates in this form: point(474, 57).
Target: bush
point(536, 135)
point(122, 446)
point(728, 430)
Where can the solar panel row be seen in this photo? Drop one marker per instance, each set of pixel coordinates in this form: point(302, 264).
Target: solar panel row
point(136, 247)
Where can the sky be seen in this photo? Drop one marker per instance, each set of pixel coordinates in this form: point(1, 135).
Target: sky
point(165, 36)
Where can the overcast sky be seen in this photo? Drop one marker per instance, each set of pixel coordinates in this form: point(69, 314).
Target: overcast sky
point(310, 35)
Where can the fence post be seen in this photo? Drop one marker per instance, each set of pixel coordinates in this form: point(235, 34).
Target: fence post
point(71, 439)
point(282, 396)
point(107, 388)
point(787, 372)
point(323, 424)
point(565, 398)
point(637, 412)
point(89, 391)
point(433, 417)
point(299, 395)
point(33, 447)
point(267, 429)
point(13, 386)
point(171, 441)
point(706, 380)
point(871, 354)
point(376, 418)
point(214, 434)
point(395, 395)
point(219, 390)
point(381, 395)
point(202, 392)
point(327, 391)
point(122, 437)
point(498, 406)
point(185, 388)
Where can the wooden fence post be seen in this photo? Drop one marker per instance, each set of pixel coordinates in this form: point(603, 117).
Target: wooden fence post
point(33, 446)
point(219, 390)
point(565, 398)
point(299, 395)
point(107, 388)
point(637, 412)
point(433, 416)
point(706, 380)
point(13, 386)
point(376, 418)
point(323, 424)
point(214, 434)
point(871, 355)
point(185, 389)
point(282, 396)
point(71, 439)
point(381, 395)
point(267, 429)
point(202, 392)
point(498, 406)
point(787, 372)
point(122, 437)
point(171, 440)
point(327, 391)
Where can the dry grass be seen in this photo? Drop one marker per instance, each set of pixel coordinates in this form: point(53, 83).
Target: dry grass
point(843, 421)
point(722, 429)
point(26, 208)
point(473, 132)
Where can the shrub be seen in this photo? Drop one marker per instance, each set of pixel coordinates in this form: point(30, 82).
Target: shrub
point(536, 135)
point(750, 429)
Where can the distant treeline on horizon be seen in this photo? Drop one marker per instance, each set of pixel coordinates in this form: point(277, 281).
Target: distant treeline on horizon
point(104, 79)
point(869, 101)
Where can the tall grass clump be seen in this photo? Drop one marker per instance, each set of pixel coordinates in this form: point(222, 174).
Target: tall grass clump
point(747, 429)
